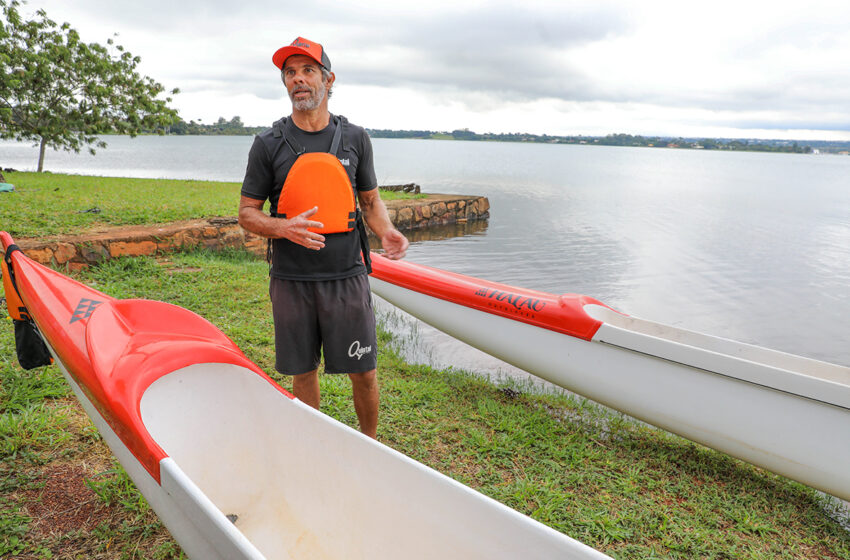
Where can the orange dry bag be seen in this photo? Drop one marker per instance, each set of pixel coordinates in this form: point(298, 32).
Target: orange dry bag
point(319, 179)
point(30, 347)
point(17, 310)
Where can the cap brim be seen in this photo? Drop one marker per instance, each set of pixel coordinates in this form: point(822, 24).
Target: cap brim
point(280, 56)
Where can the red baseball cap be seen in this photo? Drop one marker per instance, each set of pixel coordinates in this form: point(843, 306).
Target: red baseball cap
point(302, 46)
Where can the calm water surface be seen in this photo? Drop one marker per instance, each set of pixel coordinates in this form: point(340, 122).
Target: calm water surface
point(749, 246)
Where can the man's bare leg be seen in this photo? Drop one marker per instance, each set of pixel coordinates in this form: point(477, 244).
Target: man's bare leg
point(366, 397)
point(305, 387)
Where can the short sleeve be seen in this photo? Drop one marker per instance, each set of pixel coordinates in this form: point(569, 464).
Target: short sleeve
point(365, 178)
point(259, 175)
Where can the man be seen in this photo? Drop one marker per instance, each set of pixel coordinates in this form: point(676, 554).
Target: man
point(319, 286)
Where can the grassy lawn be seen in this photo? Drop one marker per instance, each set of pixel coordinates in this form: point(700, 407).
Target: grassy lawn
point(619, 486)
point(46, 204)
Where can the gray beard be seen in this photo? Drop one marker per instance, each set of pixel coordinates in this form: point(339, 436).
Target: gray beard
point(312, 102)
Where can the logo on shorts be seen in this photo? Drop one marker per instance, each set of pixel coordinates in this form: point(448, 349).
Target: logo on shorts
point(356, 350)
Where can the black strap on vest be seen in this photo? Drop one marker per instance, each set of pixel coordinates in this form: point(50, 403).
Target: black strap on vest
point(277, 132)
point(364, 242)
point(337, 136)
point(298, 149)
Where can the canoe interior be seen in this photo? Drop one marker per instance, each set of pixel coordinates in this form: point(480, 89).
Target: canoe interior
point(302, 485)
point(774, 358)
point(204, 434)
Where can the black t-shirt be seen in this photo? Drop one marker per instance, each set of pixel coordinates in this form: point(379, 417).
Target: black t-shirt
point(269, 162)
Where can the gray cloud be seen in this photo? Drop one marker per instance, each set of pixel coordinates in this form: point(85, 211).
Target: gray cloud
point(787, 124)
point(498, 49)
point(483, 55)
point(156, 16)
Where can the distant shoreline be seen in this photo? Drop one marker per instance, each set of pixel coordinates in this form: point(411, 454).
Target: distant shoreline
point(235, 127)
point(628, 141)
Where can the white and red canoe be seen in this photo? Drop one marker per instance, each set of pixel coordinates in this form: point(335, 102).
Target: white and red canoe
point(233, 465)
point(784, 413)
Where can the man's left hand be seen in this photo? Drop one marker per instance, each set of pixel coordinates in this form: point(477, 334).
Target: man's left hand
point(395, 244)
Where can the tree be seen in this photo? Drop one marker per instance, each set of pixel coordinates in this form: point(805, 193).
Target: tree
point(463, 134)
point(60, 92)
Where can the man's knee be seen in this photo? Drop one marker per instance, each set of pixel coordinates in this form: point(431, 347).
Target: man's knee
point(305, 386)
point(366, 381)
point(308, 378)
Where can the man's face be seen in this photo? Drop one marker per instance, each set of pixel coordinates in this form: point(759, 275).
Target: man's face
point(302, 77)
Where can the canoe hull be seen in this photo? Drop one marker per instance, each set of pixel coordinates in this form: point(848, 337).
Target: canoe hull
point(202, 532)
point(794, 436)
point(238, 469)
point(302, 485)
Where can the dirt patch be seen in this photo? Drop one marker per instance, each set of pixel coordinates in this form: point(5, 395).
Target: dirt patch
point(65, 503)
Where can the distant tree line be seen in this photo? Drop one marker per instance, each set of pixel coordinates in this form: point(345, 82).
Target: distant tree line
point(222, 127)
point(384, 133)
point(703, 143)
point(609, 140)
point(235, 126)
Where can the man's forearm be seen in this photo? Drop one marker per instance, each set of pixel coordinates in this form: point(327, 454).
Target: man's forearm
point(258, 222)
point(375, 213)
point(376, 216)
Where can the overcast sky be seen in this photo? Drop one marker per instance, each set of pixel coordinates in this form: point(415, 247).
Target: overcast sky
point(747, 69)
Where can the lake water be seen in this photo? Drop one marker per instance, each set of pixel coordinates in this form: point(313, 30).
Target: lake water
point(749, 246)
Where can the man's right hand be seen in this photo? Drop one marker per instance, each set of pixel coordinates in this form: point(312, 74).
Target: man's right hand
point(296, 230)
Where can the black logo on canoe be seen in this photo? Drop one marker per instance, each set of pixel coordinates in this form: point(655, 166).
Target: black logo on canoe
point(84, 309)
point(514, 303)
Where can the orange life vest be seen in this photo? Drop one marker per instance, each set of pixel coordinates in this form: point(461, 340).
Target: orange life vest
point(319, 179)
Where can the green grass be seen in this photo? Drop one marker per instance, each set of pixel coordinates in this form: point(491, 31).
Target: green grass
point(400, 195)
point(45, 204)
point(617, 485)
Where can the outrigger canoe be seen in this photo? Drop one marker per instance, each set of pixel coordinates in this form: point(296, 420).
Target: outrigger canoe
point(784, 413)
point(235, 466)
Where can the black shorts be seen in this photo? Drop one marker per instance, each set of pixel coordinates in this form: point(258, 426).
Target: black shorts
point(334, 316)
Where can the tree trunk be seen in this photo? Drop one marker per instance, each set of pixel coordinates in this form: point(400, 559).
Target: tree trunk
point(2, 178)
point(41, 154)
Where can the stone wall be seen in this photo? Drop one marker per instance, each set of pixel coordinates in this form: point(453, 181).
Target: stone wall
point(437, 209)
point(79, 251)
point(407, 187)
